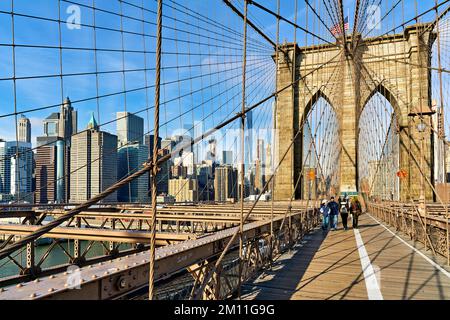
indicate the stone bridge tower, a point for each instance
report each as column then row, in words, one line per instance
column 396, row 66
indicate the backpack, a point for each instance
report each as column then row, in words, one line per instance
column 325, row 211
column 356, row 207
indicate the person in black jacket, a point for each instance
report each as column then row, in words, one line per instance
column 334, row 213
column 344, row 216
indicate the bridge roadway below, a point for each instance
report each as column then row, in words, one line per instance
column 372, row 262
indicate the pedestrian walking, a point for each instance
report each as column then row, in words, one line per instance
column 325, row 211
column 355, row 211
column 334, row 213
column 344, row 216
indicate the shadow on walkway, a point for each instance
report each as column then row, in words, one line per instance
column 303, row 252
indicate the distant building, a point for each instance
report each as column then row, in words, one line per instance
column 45, row 141
column 178, row 171
column 16, row 170
column 163, row 175
column 259, row 176
column 62, row 124
column 260, row 166
column 130, row 128
column 205, row 182
column 165, row 199
column 24, row 128
column 45, row 172
column 227, row 157
column 186, row 159
column 93, row 162
column 51, row 125
column 184, row 189
column 182, row 144
column 261, row 152
column 150, row 142
column 248, row 139
column 59, row 127
column 225, row 183
column 211, row 154
column 130, row 159
column 268, row 162
column 168, row 144
column 68, row 121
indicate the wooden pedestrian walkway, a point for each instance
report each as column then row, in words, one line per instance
column 372, row 262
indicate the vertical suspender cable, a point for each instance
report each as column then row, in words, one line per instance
column 242, row 178
column 154, row 170
column 294, row 69
column 441, row 95
column 277, row 52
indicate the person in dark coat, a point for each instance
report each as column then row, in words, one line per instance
column 344, row 216
column 355, row 211
column 325, row 211
column 334, row 213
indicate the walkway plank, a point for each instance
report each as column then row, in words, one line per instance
column 328, row 266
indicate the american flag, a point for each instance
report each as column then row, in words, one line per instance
column 336, row 30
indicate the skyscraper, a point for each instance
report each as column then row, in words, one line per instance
column 58, row 130
column 205, row 183
column 269, row 164
column 249, row 139
column 16, row 169
column 260, row 152
column 168, row 144
column 163, row 175
column 225, row 183
column 68, row 121
column 260, row 165
column 24, row 127
column 150, row 142
column 130, row 158
column 46, row 167
column 130, row 128
column 93, row 162
column 22, row 173
column 51, row 131
column 162, row 178
column 227, row 157
column 212, row 153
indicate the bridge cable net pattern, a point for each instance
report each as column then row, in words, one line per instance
column 106, row 62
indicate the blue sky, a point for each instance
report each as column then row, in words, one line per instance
column 221, row 63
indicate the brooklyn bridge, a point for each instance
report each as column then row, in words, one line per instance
column 224, row 149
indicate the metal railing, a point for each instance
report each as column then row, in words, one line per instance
column 192, row 261
column 432, row 231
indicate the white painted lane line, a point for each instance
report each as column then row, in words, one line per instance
column 373, row 289
column 434, row 264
